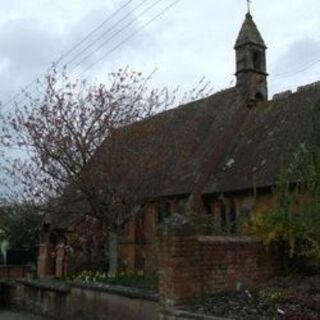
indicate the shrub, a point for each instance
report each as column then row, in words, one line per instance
column 293, row 221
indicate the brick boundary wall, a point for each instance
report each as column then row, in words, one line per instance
column 183, row 315
column 13, row 272
column 80, row 301
column 192, row 266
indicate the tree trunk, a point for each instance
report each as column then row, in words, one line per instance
column 113, row 254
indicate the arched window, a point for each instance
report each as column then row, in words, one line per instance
column 223, row 217
column 228, row 217
column 207, row 207
column 257, row 60
column 163, row 210
column 232, row 218
column 259, row 96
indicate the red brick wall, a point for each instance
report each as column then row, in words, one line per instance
column 46, row 262
column 191, row 266
column 13, row 272
column 127, row 255
column 138, row 247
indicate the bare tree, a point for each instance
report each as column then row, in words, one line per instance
column 81, row 146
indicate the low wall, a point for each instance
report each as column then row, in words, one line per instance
column 113, row 303
column 13, row 272
column 82, row 302
column 183, row 315
column 193, row 266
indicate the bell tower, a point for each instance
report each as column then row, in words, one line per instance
column 251, row 69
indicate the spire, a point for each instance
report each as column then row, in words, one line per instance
column 249, row 33
column 249, row 3
column 251, row 67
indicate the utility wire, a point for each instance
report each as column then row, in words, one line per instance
column 131, row 36
column 119, row 31
column 11, row 100
column 78, row 44
column 293, row 73
column 106, row 32
column 58, row 61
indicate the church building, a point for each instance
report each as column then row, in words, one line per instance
column 222, row 155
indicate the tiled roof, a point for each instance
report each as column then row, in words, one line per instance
column 176, row 144
column 217, row 143
column 222, row 142
column 271, row 134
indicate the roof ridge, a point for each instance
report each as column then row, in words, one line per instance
column 301, row 89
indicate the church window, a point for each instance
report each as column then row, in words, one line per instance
column 125, row 229
column 163, row 210
column 257, row 60
column 223, row 217
column 232, row 218
column 259, row 96
column 228, row 217
column 207, row 207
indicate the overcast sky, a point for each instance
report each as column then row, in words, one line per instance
column 193, row 39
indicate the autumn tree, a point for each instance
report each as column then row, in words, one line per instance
column 79, row 146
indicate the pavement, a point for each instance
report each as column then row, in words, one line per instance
column 14, row 315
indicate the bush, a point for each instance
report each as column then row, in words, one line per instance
column 293, row 221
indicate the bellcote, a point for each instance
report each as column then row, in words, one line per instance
column 251, row 69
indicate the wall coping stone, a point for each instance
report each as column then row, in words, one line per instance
column 11, row 266
column 47, row 284
column 132, row 293
column 224, row 239
column 190, row 315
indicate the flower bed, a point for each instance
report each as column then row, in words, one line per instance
column 287, row 298
column 136, row 280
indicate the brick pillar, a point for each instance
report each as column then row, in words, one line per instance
column 44, row 260
column 126, row 255
column 60, row 260
column 179, row 260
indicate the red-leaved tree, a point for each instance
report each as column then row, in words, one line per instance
column 79, row 147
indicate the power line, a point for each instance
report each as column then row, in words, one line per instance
column 104, row 43
column 68, row 52
column 11, row 100
column 293, row 73
column 25, row 92
column 131, row 35
column 93, row 31
column 106, row 32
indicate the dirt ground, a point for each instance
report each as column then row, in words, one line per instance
column 292, row 298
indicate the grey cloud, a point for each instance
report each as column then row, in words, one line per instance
column 107, row 38
column 26, row 44
column 192, row 40
column 299, row 56
column 26, row 48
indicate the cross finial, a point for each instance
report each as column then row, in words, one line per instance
column 249, row 5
